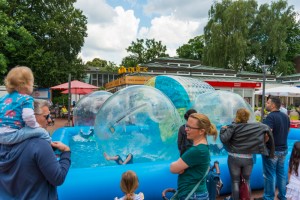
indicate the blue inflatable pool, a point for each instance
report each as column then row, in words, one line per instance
column 103, row 182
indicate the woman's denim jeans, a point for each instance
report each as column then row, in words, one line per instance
column 197, row 196
column 274, row 175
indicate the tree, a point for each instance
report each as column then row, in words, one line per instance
column 58, row 30
column 97, row 62
column 143, row 51
column 111, row 67
column 15, row 40
column 293, row 44
column 103, row 65
column 227, row 32
column 193, row 49
column 129, row 61
column 240, row 36
column 270, row 34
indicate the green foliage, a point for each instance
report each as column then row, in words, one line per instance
column 60, row 100
column 97, row 62
column 241, row 36
column 111, row 67
column 45, row 36
column 227, row 32
column 103, row 65
column 293, row 45
column 269, row 36
column 193, row 49
column 143, row 51
column 15, row 40
column 130, row 61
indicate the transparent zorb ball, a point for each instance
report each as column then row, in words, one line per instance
column 139, row 120
column 182, row 91
column 220, row 107
column 85, row 111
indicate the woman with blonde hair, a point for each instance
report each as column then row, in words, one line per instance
column 241, row 140
column 129, row 183
column 193, row 164
column 239, row 163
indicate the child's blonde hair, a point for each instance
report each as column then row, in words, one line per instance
column 18, row 78
column 129, row 183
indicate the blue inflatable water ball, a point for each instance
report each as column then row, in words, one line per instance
column 221, row 106
column 182, row 91
column 85, row 111
column 139, row 120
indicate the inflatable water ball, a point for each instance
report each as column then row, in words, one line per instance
column 182, row 91
column 221, row 106
column 139, row 120
column 85, row 111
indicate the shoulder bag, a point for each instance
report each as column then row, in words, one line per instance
column 175, row 196
column 244, row 189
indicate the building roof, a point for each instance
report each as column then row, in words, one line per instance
column 290, row 76
column 175, row 59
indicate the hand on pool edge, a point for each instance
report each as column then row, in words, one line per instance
column 60, row 146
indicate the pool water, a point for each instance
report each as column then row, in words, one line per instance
column 86, row 153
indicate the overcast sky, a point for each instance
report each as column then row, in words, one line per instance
column 114, row 24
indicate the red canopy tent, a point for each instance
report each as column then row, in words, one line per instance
column 74, row 84
column 78, row 91
column 75, row 87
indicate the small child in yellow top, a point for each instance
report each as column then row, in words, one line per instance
column 129, row 183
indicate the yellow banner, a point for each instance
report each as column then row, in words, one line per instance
column 123, row 69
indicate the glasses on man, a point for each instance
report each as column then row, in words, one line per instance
column 47, row 117
column 187, row 127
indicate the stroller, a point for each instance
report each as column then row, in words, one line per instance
column 214, row 184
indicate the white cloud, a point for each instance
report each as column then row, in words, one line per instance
column 111, row 30
column 188, row 9
column 171, row 31
column 96, row 11
column 108, row 41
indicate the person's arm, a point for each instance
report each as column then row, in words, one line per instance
column 226, row 133
column 60, row 146
column 266, row 137
column 129, row 157
column 178, row 166
column 29, row 118
column 28, row 113
column 179, row 138
column 54, row 171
